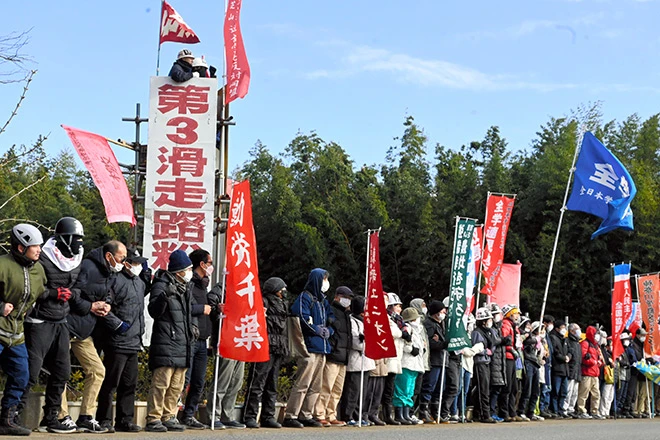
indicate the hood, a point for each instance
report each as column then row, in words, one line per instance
column 315, row 281
column 417, row 305
column 98, row 258
column 591, row 334
column 164, row 276
column 274, row 285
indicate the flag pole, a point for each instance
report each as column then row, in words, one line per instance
column 366, row 296
column 481, row 261
column 160, row 27
column 561, row 218
column 217, row 349
column 442, row 385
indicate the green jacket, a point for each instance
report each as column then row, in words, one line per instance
column 15, row 290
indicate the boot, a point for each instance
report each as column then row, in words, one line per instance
column 399, row 417
column 407, row 415
column 433, row 410
column 424, row 414
column 8, row 424
column 387, row 415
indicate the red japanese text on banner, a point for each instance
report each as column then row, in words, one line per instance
column 648, row 289
column 238, row 69
column 100, row 161
column 179, row 201
column 378, row 340
column 173, row 28
column 496, row 227
column 621, row 306
column 244, row 334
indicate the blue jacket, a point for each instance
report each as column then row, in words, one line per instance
column 314, row 312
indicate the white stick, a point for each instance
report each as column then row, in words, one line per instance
column 217, row 351
column 648, row 396
column 361, row 388
column 366, row 296
column 442, row 384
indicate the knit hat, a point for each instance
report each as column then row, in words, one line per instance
column 179, row 261
column 273, row 285
column 409, row 314
column 435, row 307
column 559, row 323
column 344, row 291
column 357, row 305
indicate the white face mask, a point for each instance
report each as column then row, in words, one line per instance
column 187, row 276
column 470, row 327
column 118, row 267
column 549, row 328
column 136, row 270
column 597, row 339
column 642, row 338
column 209, row 270
column 626, row 343
column 425, row 310
column 497, row 318
column 563, row 332
column 442, row 316
column 489, row 323
column 325, row 286
column 345, row 302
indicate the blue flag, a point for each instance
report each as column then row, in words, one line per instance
column 602, row 187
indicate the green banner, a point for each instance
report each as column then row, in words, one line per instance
column 457, row 334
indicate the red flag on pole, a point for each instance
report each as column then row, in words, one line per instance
column 621, row 306
column 378, row 341
column 238, row 69
column 173, row 28
column 507, row 290
column 244, row 334
column 648, row 290
column 498, row 216
column 100, row 161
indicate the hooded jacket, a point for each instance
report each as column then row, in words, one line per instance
column 357, row 348
column 591, row 362
column 128, row 306
column 574, row 365
column 559, row 352
column 408, row 361
column 276, row 314
column 437, row 348
column 417, row 304
column 510, row 334
column 314, row 312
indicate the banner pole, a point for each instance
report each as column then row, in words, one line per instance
column 561, row 218
column 361, row 388
column 217, row 349
column 442, row 385
column 160, row 26
column 462, row 391
column 364, row 348
column 481, row 261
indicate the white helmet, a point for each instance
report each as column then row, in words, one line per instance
column 470, row 319
column 445, row 302
column 483, row 314
column 199, row 62
column 27, row 235
column 535, row 326
column 185, row 53
column 393, row 299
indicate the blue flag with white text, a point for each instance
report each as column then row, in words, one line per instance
column 602, row 187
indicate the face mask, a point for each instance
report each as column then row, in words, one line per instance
column 209, row 270
column 626, row 343
column 117, row 267
column 577, row 334
column 489, row 323
column 136, row 270
column 563, row 332
column 425, row 310
column 497, row 318
column 642, row 338
column 345, row 302
column 187, row 276
column 325, row 286
column 597, row 339
column 549, row 328
column 470, row 327
column 442, row 316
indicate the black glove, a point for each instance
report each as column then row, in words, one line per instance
column 587, row 356
column 507, row 340
column 415, row 351
column 212, row 70
column 361, row 337
column 406, row 336
column 195, row 332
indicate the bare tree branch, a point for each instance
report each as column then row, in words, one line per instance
column 20, row 100
column 10, row 53
column 23, row 190
column 25, row 220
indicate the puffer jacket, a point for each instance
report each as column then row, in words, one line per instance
column 408, row 361
column 532, row 349
column 314, row 311
column 200, row 297
column 172, row 337
column 276, row 315
column 341, row 338
column 14, row 290
column 95, row 282
column 417, row 305
column 436, row 348
column 498, row 360
column 357, row 348
column 394, row 363
column 381, row 368
column 637, row 347
column 128, row 306
column 510, row 335
column 482, row 335
column 574, row 366
column 181, row 71
column 559, row 352
column 591, row 361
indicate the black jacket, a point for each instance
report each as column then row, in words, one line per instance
column 277, row 311
column 575, row 364
column 498, row 360
column 638, row 348
column 530, row 350
column 48, row 307
column 95, row 282
column 128, row 306
column 200, row 295
column 341, row 340
column 181, row 71
column 559, row 353
column 485, row 336
column 436, row 348
column 172, row 337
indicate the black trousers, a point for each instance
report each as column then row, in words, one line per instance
column 507, row 399
column 531, row 389
column 48, row 346
column 451, row 386
column 481, row 384
column 121, row 374
column 388, row 389
column 195, row 378
column 262, row 388
column 350, row 397
column 374, row 394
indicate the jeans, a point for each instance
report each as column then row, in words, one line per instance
column 530, row 392
column 460, row 401
column 558, row 393
column 195, row 377
column 14, row 362
column 429, row 382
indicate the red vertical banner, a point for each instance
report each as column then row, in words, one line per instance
column 244, row 334
column 238, row 69
column 378, row 340
column 621, row 306
column 496, row 227
column 648, row 288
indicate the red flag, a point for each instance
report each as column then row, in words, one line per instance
column 378, row 341
column 244, row 334
column 507, row 289
column 100, row 161
column 621, row 306
column 173, row 28
column 238, row 69
column 498, row 216
column 648, row 289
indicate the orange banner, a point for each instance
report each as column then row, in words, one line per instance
column 496, row 227
column 648, row 289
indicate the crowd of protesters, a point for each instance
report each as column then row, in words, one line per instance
column 52, row 300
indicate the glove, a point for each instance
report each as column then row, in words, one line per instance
column 63, row 294
column 361, row 337
column 195, row 74
column 212, row 70
column 123, row 328
column 323, row 332
column 489, row 352
column 587, row 356
column 406, row 337
column 415, row 351
column 507, row 340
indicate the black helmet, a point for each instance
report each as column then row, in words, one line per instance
column 69, row 226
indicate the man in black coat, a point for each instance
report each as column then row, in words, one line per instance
column 560, row 359
column 263, row 376
column 334, row 371
column 435, row 331
column 574, row 368
column 121, row 351
column 182, row 69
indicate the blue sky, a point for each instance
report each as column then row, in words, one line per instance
column 351, row 71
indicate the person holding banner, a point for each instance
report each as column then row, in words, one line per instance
column 401, row 335
column 316, row 317
column 641, row 408
column 412, row 364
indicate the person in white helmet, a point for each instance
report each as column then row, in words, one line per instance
column 200, row 66
column 182, row 69
column 22, row 281
column 482, row 335
column 401, row 335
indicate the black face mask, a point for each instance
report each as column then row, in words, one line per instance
column 69, row 245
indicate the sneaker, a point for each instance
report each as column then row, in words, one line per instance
column 488, row 420
column 270, row 423
column 251, row 423
column 524, row 418
column 585, row 416
column 56, row 427
column 337, row 423
column 107, row 424
column 365, row 423
column 497, row 419
column 351, row 423
column 193, row 423
column 546, row 415
column 517, row 418
column 88, row 424
column 292, row 423
column 455, row 418
column 156, row 426
column 447, row 421
column 233, row 424
column 218, row 425
column 128, row 427
column 598, row 417
column 536, row 418
column 68, row 421
column 311, row 423
column 173, row 424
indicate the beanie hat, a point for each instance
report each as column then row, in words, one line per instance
column 410, row 314
column 435, row 307
column 273, row 285
column 559, row 323
column 357, row 305
column 179, row 261
column 344, row 291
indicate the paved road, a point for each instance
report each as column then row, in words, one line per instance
column 548, row 430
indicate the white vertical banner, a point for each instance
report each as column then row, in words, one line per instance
column 180, row 181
